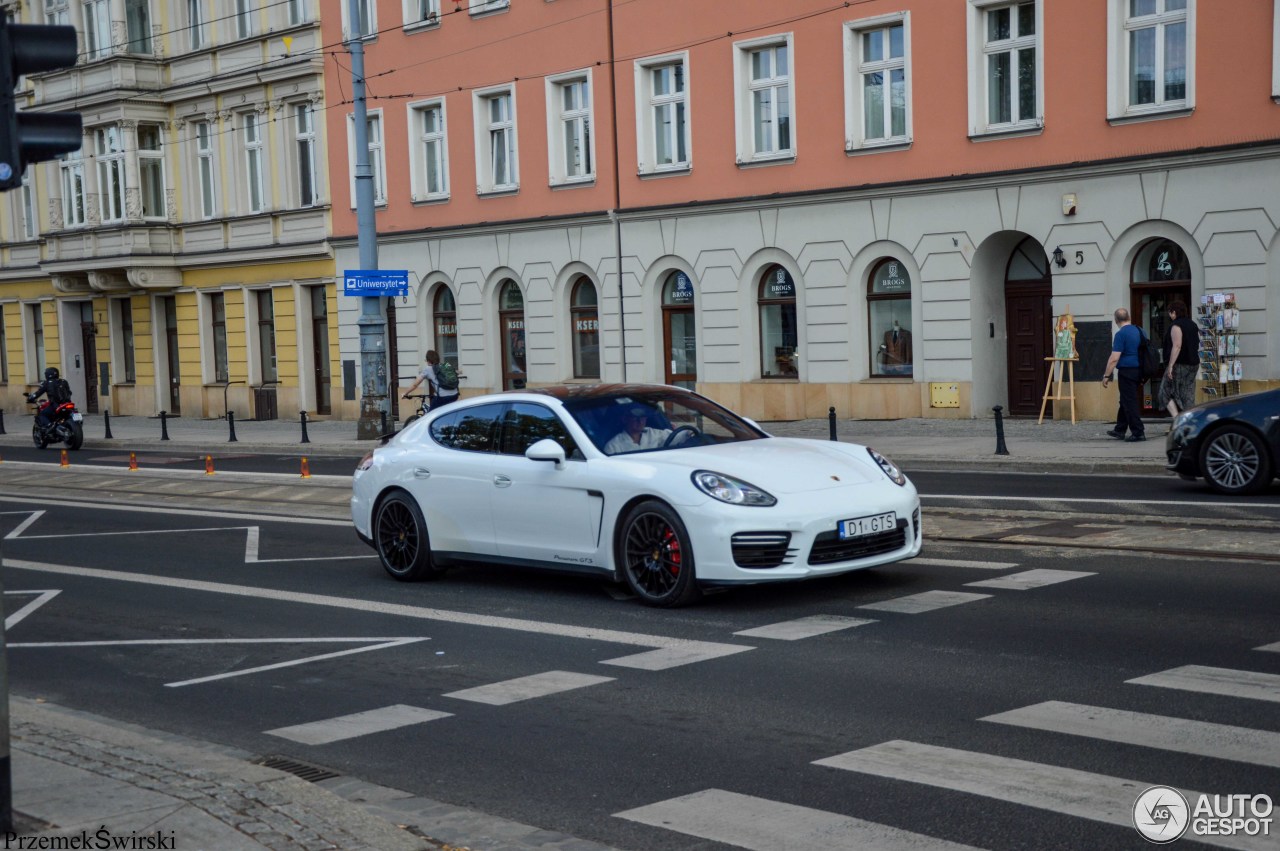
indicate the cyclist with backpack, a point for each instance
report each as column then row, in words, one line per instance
column 441, row 378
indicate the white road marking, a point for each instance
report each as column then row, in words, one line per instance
column 926, row 601
column 804, row 627
column 229, row 674
column 676, row 655
column 185, row 512
column 251, row 551
column 33, row 516
column 525, row 688
column 357, row 724
column 763, row 825
column 1029, row 579
column 693, row 650
column 957, row 562
column 1220, row 741
column 16, row 618
column 1089, row 500
column 1224, row 681
column 1068, row 791
column 1270, row 648
column 142, row 642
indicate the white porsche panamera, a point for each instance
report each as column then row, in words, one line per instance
column 651, row 485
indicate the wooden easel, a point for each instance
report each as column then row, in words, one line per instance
column 1057, row 367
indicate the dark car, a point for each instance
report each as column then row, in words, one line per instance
column 1232, row 443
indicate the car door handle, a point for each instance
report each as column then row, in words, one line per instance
column 502, row 481
column 421, row 473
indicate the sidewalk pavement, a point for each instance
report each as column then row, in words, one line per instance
column 1055, row 445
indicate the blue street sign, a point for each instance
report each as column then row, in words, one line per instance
column 375, row 282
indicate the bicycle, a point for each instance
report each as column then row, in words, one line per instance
column 422, row 406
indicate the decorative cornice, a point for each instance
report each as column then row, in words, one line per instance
column 155, row 277
column 108, row 280
column 72, row 284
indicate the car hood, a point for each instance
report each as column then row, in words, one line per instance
column 777, row 464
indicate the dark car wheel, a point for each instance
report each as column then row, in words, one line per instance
column 657, row 557
column 1234, row 460
column 400, row 536
column 37, row 437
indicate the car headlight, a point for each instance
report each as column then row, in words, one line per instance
column 365, row 463
column 731, row 490
column 890, row 469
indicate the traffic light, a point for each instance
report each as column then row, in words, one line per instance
column 32, row 137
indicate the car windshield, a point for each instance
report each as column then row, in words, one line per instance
column 655, row 420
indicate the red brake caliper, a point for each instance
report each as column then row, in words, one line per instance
column 671, row 544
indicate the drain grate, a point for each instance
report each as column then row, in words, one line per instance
column 305, row 770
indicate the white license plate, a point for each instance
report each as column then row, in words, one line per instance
column 860, row 527
column 75, row 418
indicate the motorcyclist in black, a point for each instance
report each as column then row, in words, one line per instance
column 58, row 391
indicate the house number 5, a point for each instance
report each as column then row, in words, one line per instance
column 1079, row 257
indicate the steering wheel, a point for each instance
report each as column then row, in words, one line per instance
column 671, row 438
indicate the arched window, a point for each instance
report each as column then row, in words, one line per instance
column 585, row 315
column 444, row 316
column 778, row 337
column 511, row 323
column 889, row 312
column 679, row 334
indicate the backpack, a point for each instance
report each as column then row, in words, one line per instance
column 59, row 391
column 1149, row 357
column 446, row 376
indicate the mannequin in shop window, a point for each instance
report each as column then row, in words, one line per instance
column 895, row 352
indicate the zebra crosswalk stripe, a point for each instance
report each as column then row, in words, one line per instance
column 763, row 825
column 1224, row 681
column 1220, row 741
column 1068, row 791
column 804, row 627
column 524, row 688
column 927, row 601
column 1028, row 579
column 959, row 562
column 357, row 724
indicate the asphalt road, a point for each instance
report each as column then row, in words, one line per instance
column 235, row 626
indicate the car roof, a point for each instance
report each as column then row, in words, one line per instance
column 576, row 392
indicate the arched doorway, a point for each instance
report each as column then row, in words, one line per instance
column 679, row 339
column 511, row 330
column 1028, row 293
column 1161, row 275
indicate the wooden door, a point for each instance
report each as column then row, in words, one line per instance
column 320, row 350
column 170, row 305
column 89, row 342
column 1028, row 318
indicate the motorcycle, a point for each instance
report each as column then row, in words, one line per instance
column 66, row 426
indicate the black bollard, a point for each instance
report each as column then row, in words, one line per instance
column 385, row 436
column 831, row 422
column 164, row 426
column 305, row 439
column 106, row 421
column 2, row 431
column 231, row 424
column 1001, row 449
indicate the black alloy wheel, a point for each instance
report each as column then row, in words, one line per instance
column 657, row 557
column 400, row 534
column 76, row 440
column 38, row 438
column 1234, row 460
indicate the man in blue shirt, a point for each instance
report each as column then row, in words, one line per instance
column 1124, row 363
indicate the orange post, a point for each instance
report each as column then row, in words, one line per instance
column 133, row 462
column 66, row 462
column 306, row 468
column 208, row 465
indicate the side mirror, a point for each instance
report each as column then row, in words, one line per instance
column 546, row 450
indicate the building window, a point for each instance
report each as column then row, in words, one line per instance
column 444, row 316
column 421, row 12
column 71, row 167
column 251, row 128
column 1153, row 45
column 4, row 348
column 124, row 308
column 196, row 35
column 267, row 336
column 97, row 28
column 297, row 10
column 110, row 156
column 244, row 18
column 496, row 166
column 137, row 16
column 1007, row 82
column 204, row 159
column 569, row 129
column 889, row 312
column 57, row 13
column 218, row 322
column 377, row 164
column 305, row 144
column 368, row 23
column 36, row 313
column 662, row 119
column 29, row 229
column 479, row 7
column 430, row 166
column 151, row 171
column 764, row 101
column 585, row 314
column 878, row 111
column 779, row 354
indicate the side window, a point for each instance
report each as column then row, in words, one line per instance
column 469, row 429
column 524, row 424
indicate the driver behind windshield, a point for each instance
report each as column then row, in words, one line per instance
column 636, row 434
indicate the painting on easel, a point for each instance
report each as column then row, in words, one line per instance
column 1064, row 337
